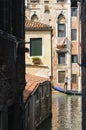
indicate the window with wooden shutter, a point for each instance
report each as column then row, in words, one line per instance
column 36, row 47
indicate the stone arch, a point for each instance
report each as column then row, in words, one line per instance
column 61, row 19
column 34, row 17
column 61, row 24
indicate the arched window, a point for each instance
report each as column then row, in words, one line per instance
column 34, row 17
column 61, row 26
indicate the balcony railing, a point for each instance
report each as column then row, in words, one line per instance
column 61, row 43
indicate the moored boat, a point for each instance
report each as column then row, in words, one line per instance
column 69, row 92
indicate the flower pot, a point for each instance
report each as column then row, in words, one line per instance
column 36, row 61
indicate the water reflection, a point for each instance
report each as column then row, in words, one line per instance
column 66, row 113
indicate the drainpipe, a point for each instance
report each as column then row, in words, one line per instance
column 51, row 77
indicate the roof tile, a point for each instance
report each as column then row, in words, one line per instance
column 32, row 82
column 33, row 25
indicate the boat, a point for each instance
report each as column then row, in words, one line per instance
column 68, row 92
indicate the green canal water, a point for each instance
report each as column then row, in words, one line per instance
column 66, row 113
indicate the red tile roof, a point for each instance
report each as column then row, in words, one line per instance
column 32, row 82
column 32, row 25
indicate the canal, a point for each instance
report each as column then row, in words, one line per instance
column 66, row 113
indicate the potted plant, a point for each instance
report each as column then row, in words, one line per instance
column 36, row 60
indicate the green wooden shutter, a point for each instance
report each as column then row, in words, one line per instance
column 35, row 46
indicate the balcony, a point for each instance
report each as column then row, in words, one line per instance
column 61, row 42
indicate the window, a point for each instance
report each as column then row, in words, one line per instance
column 46, row 1
column 36, row 47
column 61, row 58
column 60, row 0
column 73, row 3
column 74, row 78
column 73, row 11
column 61, row 30
column 34, row 0
column 73, row 34
column 61, row 26
column 74, row 59
column 61, row 76
column 47, row 9
column 34, row 17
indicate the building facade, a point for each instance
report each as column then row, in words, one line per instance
column 38, row 39
column 64, row 17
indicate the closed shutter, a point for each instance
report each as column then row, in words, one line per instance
column 36, row 47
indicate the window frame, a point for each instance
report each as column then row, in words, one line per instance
column 34, row 1
column 46, row 8
column 31, row 48
column 60, row 0
column 61, row 33
column 74, row 34
column 61, row 26
column 74, row 58
column 61, row 58
column 72, row 14
column 60, row 79
column 34, row 17
column 74, row 78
